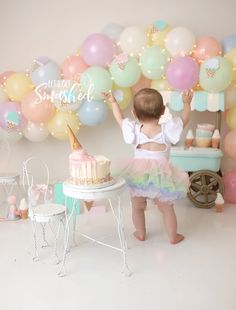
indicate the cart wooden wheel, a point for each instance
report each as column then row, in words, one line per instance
column 204, row 185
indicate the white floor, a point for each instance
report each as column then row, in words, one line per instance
column 198, row 274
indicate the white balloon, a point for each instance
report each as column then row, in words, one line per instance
column 3, row 96
column 230, row 96
column 180, row 41
column 133, row 40
column 11, row 136
column 113, row 31
column 35, row 132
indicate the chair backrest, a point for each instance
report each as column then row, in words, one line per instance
column 29, row 178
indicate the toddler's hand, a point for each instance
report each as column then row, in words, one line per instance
column 108, row 96
column 187, row 96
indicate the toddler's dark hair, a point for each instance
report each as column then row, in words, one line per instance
column 148, row 104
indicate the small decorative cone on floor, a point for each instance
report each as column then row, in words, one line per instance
column 219, row 203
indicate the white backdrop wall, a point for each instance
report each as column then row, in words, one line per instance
column 56, row 29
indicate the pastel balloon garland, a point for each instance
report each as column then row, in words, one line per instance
column 124, row 60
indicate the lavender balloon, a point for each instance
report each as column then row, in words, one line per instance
column 11, row 116
column 98, row 50
column 182, row 73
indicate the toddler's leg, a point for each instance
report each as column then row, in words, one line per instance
column 170, row 221
column 138, row 208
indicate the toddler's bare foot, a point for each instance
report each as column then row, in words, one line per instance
column 139, row 236
column 178, row 238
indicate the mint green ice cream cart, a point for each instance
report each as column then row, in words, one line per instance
column 202, row 164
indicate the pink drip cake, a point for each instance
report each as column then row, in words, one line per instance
column 85, row 169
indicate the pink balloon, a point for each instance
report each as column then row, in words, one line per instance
column 11, row 116
column 4, row 76
column 207, row 47
column 98, row 50
column 36, row 110
column 230, row 144
column 182, row 73
column 142, row 83
column 72, row 68
column 229, row 180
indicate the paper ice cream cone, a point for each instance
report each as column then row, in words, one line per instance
column 219, row 207
column 219, row 203
column 215, row 143
column 88, row 204
column 74, row 143
column 215, row 140
column 189, row 142
column 24, row 214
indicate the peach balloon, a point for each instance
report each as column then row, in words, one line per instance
column 37, row 110
column 142, row 83
column 4, row 76
column 206, row 47
column 230, row 144
column 72, row 67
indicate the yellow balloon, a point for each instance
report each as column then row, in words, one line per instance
column 17, row 86
column 157, row 37
column 231, row 56
column 57, row 126
column 230, row 96
column 231, row 118
column 160, row 85
column 123, row 96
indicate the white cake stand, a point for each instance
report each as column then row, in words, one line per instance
column 111, row 193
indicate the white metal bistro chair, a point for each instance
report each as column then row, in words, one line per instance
column 43, row 213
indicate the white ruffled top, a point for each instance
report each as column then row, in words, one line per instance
column 170, row 134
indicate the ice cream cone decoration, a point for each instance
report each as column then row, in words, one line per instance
column 189, row 138
column 74, row 143
column 88, row 204
column 215, row 141
column 219, row 203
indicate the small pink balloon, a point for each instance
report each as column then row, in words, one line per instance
column 72, row 67
column 98, row 50
column 182, row 73
column 207, row 47
column 4, row 76
column 230, row 144
column 142, row 83
column 37, row 110
column 229, row 180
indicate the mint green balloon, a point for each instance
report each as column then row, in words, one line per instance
column 153, row 62
column 94, row 81
column 128, row 75
column 216, row 74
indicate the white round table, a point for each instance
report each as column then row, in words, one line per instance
column 112, row 193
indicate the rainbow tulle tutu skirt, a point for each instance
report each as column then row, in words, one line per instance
column 155, row 179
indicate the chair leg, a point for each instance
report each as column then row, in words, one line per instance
column 56, row 235
column 45, row 242
column 36, row 254
column 62, row 271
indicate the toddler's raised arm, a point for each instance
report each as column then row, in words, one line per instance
column 118, row 115
column 187, row 98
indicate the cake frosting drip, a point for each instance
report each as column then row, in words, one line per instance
column 88, row 169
